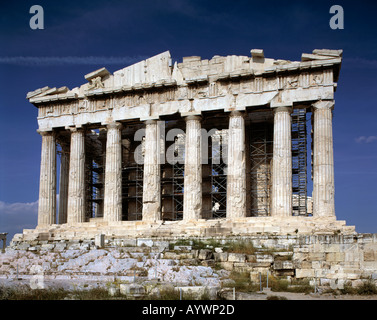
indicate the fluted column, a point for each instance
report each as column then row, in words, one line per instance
column 151, row 182
column 47, row 181
column 63, row 185
column 192, row 198
column 323, row 160
column 113, row 173
column 236, row 173
column 281, row 193
column 76, row 184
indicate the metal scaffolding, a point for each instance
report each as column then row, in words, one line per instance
column 132, row 183
column 299, row 162
column 218, row 173
column 172, row 181
column 94, row 175
column 261, row 148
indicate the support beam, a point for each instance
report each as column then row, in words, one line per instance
column 47, row 181
column 236, row 173
column 113, row 173
column 192, row 198
column 281, row 193
column 323, row 160
column 151, row 183
column 76, row 184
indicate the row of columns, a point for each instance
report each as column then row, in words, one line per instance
column 281, row 195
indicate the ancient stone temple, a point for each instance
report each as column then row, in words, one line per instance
column 198, row 147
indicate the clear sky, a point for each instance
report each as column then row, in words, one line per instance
column 82, row 36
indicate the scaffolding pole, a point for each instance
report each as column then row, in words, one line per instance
column 299, row 162
column 260, row 168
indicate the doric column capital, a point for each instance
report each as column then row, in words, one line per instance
column 75, row 129
column 114, row 125
column 283, row 109
column 237, row 113
column 46, row 133
column 193, row 117
column 150, row 121
column 323, row 104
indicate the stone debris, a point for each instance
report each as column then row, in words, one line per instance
column 323, row 260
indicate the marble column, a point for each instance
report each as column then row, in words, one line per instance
column 151, row 180
column 323, row 160
column 113, row 173
column 192, row 198
column 47, row 182
column 281, row 192
column 76, row 184
column 63, row 185
column 236, row 172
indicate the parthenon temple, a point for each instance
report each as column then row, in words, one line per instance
column 200, row 147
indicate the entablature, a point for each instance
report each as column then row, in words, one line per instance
column 271, row 82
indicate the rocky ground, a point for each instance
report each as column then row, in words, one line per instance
column 149, row 271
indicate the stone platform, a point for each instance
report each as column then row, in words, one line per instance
column 185, row 229
column 332, row 260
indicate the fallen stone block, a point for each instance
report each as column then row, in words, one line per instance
column 221, row 256
column 131, row 289
column 251, row 258
column 47, row 246
column 170, row 255
column 183, row 248
column 127, row 242
column 99, row 240
column 243, row 266
column 260, row 264
column 60, row 246
column 160, row 245
column 283, row 265
column 262, row 258
column 208, row 263
column 236, row 257
column 227, row 265
column 113, row 291
column 189, row 262
column 337, row 284
column 199, row 291
column 205, row 254
column 144, row 242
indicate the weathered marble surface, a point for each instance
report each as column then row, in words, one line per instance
column 282, row 164
column 47, row 181
column 113, row 173
column 155, row 87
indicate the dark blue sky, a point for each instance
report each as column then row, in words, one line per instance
column 118, row 33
